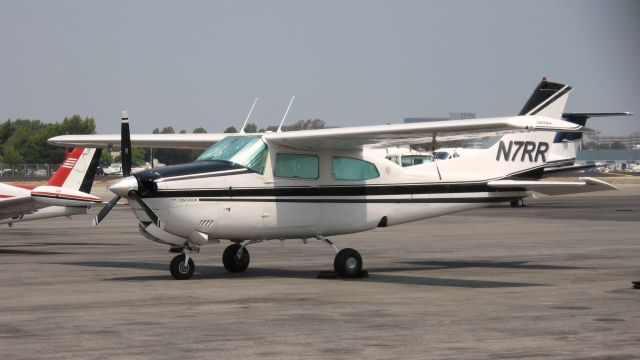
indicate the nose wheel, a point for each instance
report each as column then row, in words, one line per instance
column 182, row 267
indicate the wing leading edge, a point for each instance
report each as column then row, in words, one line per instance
column 343, row 138
column 169, row 141
column 413, row 133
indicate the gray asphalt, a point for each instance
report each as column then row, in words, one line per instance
column 551, row 280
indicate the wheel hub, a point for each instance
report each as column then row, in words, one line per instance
column 352, row 264
column 184, row 268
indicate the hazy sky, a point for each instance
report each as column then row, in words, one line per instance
column 201, row 63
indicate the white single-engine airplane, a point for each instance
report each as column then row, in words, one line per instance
column 65, row 194
column 316, row 183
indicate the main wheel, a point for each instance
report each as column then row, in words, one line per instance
column 230, row 259
column 348, row 263
column 181, row 270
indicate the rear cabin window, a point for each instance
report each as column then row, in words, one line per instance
column 296, row 166
column 346, row 168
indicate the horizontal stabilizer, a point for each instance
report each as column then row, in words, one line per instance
column 586, row 184
column 581, row 118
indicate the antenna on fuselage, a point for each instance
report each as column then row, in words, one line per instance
column 248, row 116
column 285, row 114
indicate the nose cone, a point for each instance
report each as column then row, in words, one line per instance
column 122, row 187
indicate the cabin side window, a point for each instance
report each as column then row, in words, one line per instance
column 346, row 168
column 297, row 166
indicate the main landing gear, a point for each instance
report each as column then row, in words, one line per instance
column 235, row 258
column 347, row 263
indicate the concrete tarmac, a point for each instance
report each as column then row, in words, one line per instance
column 551, row 280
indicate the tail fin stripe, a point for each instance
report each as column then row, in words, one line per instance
column 550, row 100
column 87, row 181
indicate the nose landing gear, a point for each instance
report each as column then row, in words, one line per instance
column 182, row 267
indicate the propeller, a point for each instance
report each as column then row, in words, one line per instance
column 128, row 185
column 125, row 145
column 105, row 210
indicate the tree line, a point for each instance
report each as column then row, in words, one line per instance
column 24, row 141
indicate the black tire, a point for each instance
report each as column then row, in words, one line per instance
column 517, row 203
column 178, row 269
column 231, row 261
column 348, row 263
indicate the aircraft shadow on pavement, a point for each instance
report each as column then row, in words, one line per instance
column 16, row 249
column 376, row 275
column 28, row 252
column 435, row 264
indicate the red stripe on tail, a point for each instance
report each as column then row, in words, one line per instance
column 60, row 176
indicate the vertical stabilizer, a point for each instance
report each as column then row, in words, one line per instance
column 78, row 170
column 548, row 99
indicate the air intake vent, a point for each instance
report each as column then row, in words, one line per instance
column 206, row 223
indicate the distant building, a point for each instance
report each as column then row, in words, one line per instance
column 630, row 141
column 613, row 159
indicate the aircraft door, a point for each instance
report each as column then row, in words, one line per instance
column 293, row 209
column 239, row 216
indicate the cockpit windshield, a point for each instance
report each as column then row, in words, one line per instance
column 441, row 155
column 248, row 151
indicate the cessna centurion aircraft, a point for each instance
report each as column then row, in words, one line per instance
column 66, row 193
column 250, row 188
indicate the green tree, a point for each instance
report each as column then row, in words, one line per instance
column 172, row 156
column 25, row 140
column 250, row 128
column 306, row 125
column 230, row 129
column 618, row 146
column 199, row 130
column 137, row 157
column 105, row 158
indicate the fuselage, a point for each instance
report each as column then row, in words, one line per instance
column 281, row 193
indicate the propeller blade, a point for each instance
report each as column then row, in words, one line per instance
column 105, row 210
column 125, row 145
column 133, row 195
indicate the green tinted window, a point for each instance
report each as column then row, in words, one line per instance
column 296, row 166
column 345, row 168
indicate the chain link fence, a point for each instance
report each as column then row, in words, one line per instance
column 28, row 170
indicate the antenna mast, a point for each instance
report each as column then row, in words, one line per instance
column 285, row 114
column 248, row 116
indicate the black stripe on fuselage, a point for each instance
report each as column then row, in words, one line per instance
column 327, row 191
column 371, row 201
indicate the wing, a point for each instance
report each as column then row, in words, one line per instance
column 13, row 206
column 172, row 141
column 413, row 133
column 343, row 138
column 585, row 184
